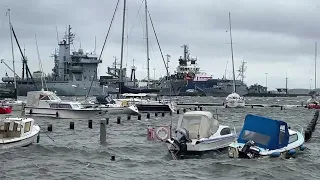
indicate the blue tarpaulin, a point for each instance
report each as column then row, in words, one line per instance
column 265, row 132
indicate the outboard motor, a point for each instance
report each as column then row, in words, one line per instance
column 249, row 150
column 179, row 143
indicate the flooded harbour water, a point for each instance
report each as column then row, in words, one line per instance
column 77, row 154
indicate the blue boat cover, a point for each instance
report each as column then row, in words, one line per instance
column 265, row 132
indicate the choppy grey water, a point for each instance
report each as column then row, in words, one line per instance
column 77, row 154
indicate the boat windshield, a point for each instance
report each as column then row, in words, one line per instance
column 54, row 97
column 256, row 137
column 293, row 138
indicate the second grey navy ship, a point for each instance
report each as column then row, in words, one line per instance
column 188, row 79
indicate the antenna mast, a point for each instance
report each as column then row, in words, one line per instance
column 95, row 44
column 147, row 41
column 234, row 77
column 122, row 41
column 315, row 65
column 286, row 83
column 12, row 51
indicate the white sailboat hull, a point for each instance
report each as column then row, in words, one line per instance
column 20, row 141
column 235, row 104
column 64, row 113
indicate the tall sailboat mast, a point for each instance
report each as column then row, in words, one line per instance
column 12, row 51
column 315, row 65
column 147, row 41
column 234, row 76
column 122, row 41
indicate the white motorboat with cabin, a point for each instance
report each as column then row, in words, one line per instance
column 198, row 132
column 234, row 100
column 261, row 136
column 148, row 102
column 48, row 104
column 17, row 132
column 106, row 103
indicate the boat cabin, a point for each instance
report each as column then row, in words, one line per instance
column 48, row 99
column 200, row 124
column 15, row 127
column 266, row 133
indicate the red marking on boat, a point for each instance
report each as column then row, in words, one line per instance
column 313, row 106
column 5, row 109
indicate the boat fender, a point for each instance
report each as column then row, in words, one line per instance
column 275, row 154
column 307, row 134
column 30, row 112
column 38, row 138
column 302, row 148
column 291, row 152
column 57, row 114
column 150, row 132
column 164, row 137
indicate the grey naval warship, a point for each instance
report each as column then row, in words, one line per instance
column 74, row 73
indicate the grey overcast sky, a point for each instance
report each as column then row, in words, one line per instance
column 276, row 36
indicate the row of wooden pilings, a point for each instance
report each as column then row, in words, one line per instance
column 185, row 109
column 311, row 126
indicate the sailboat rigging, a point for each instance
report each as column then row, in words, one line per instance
column 122, row 87
column 231, row 46
column 40, row 66
column 147, row 42
column 12, row 52
column 233, row 99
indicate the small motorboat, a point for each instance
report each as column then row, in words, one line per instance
column 148, row 102
column 261, row 136
column 234, row 100
column 106, row 103
column 17, row 132
column 48, row 104
column 198, row 132
column 5, row 109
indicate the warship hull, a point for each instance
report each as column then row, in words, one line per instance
column 65, row 88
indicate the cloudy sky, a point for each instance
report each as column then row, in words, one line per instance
column 274, row 37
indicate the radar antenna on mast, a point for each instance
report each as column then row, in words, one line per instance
column 242, row 69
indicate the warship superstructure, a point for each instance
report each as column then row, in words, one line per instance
column 188, row 79
column 73, row 73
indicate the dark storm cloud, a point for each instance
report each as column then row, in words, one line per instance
column 272, row 36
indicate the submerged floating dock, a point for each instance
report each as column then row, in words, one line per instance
column 250, row 105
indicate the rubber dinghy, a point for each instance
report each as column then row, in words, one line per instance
column 261, row 136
